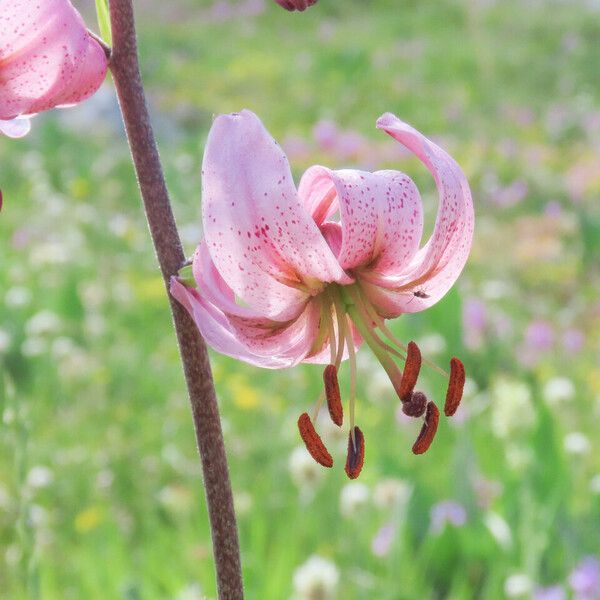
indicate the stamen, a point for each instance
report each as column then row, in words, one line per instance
column 341, row 319
column 356, row 453
column 318, row 405
column 352, row 361
column 313, row 442
column 332, row 344
column 455, row 387
column 416, row 405
column 411, row 372
column 427, row 433
column 332, row 391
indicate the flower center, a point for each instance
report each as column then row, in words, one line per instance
column 344, row 309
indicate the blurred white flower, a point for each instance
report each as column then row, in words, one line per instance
column 391, row 493
column 17, row 296
column 595, row 484
column 305, row 472
column 512, row 409
column 191, row 592
column 243, row 502
column 499, row 529
column 558, row 390
column 576, row 443
column 4, row 341
column 33, row 346
column 353, row 498
column 518, row 585
column 316, row 579
column 43, row 323
column 432, row 344
column 39, row 477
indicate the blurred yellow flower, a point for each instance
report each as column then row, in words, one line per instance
column 88, row 519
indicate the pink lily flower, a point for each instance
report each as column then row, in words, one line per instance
column 47, row 59
column 296, row 4
column 288, row 275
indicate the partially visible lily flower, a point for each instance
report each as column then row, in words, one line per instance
column 47, row 59
column 285, row 276
column 296, row 4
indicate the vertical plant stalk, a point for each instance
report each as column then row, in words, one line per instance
column 126, row 74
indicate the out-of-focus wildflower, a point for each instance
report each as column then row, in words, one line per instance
column 303, row 469
column 512, row 408
column 384, row 539
column 499, row 529
column 474, row 322
column 296, row 4
column 39, row 476
column 391, row 494
column 47, row 59
column 584, row 579
column 312, row 288
column 553, row 592
column 576, row 443
column 558, row 390
column 573, row 340
column 353, row 498
column 595, row 484
column 447, row 512
column 518, row 585
column 316, row 579
column 191, row 592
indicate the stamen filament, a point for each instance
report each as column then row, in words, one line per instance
column 352, row 359
column 318, row 405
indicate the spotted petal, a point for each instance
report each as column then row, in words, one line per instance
column 262, row 241
column 437, row 265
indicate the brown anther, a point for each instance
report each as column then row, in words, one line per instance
column 416, row 406
column 356, row 453
column 411, row 372
column 313, row 442
column 427, row 433
column 455, row 387
column 332, row 391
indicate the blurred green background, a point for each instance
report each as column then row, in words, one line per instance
column 100, row 488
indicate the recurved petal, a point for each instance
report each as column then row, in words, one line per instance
column 380, row 215
column 219, row 332
column 436, row 266
column 263, row 242
column 44, row 50
column 15, row 128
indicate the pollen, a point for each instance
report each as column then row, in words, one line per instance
column 332, row 392
column 411, row 371
column 313, row 442
column 455, row 387
column 427, row 433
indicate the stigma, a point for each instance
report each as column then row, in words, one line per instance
column 345, row 311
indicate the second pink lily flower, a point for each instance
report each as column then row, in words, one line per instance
column 288, row 275
column 47, row 59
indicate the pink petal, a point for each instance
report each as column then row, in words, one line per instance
column 380, row 214
column 47, row 57
column 436, row 266
column 261, row 239
column 15, row 128
column 245, row 340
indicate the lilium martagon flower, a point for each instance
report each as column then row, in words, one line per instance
column 48, row 59
column 288, row 275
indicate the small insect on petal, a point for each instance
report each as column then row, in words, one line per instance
column 332, row 391
column 427, row 433
column 313, row 442
column 416, row 406
column 455, row 387
column 411, row 372
column 356, row 453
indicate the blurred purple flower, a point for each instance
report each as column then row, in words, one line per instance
column 553, row 592
column 474, row 322
column 585, row 579
column 447, row 511
column 553, row 208
column 326, row 133
column 511, row 194
column 383, row 540
column 539, row 336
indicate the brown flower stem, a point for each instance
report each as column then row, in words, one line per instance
column 127, row 78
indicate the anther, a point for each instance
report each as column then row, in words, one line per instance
column 411, row 372
column 356, row 453
column 416, row 405
column 332, row 391
column 427, row 433
column 455, row 387
column 313, row 442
